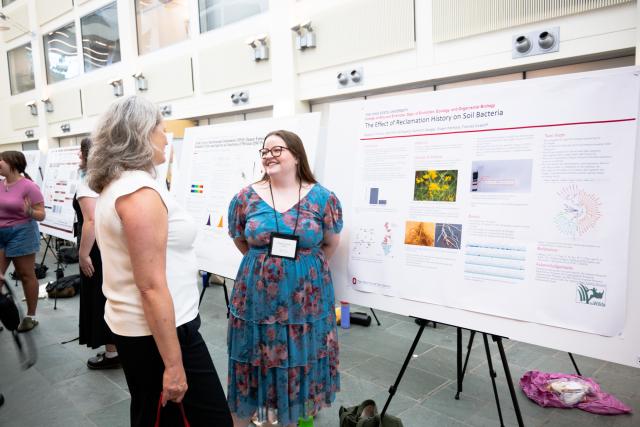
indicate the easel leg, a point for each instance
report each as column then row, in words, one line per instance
column 394, row 387
column 575, row 365
column 507, row 373
column 375, row 317
column 492, row 374
column 46, row 249
column 462, row 371
column 205, row 285
column 226, row 295
column 206, row 276
column 458, row 362
column 59, row 269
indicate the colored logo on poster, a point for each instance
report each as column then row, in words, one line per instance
column 591, row 295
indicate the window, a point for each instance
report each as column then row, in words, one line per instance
column 100, row 38
column 30, row 146
column 218, row 13
column 7, row 2
column 161, row 23
column 61, row 54
column 21, row 69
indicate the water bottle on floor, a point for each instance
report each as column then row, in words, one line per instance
column 345, row 315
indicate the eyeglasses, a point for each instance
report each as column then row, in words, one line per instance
column 275, row 151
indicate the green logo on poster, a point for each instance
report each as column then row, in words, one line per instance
column 590, row 295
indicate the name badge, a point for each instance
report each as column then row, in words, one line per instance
column 283, row 245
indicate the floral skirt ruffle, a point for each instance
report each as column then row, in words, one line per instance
column 290, row 370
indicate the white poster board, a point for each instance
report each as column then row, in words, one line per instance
column 545, row 172
column 35, row 165
column 164, row 171
column 58, row 187
column 216, row 162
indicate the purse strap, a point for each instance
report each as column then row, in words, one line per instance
column 184, row 416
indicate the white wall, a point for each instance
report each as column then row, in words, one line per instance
column 297, row 79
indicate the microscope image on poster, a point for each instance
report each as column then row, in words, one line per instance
column 501, row 176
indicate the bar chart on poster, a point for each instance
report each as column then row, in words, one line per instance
column 375, row 198
column 217, row 161
column 504, row 208
column 58, row 187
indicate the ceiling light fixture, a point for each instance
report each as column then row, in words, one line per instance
column 305, row 36
column 260, row 47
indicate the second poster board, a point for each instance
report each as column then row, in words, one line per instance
column 216, row 162
column 58, row 187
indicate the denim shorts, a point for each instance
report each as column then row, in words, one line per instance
column 19, row 240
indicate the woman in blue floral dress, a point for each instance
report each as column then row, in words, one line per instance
column 283, row 348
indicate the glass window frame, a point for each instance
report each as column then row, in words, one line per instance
column 45, row 51
column 138, row 22
column 100, row 9
column 224, row 24
column 14, row 91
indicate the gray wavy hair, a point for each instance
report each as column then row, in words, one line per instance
column 121, row 141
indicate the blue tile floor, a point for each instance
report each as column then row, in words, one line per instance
column 60, row 391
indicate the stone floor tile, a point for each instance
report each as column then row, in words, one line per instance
column 116, row 415
column 420, row 416
column 91, row 391
column 444, row 403
column 416, row 383
column 352, row 357
column 442, row 361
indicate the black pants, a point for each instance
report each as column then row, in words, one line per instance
column 205, row 403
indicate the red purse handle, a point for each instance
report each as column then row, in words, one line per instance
column 184, row 416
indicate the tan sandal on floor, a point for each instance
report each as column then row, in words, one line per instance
column 27, row 324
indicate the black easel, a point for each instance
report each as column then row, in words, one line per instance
column 375, row 317
column 47, row 247
column 206, row 276
column 575, row 365
column 394, row 387
column 461, row 370
column 59, row 269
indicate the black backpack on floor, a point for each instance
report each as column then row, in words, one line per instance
column 41, row 271
column 65, row 287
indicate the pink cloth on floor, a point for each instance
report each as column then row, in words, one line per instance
column 537, row 386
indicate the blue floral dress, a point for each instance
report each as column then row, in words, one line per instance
column 283, row 348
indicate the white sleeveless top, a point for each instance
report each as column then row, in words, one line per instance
column 123, row 311
column 84, row 190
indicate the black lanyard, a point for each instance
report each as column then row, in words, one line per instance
column 275, row 215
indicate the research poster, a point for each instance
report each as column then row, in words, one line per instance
column 510, row 199
column 216, row 162
column 58, row 187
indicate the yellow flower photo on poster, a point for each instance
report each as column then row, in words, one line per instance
column 435, row 186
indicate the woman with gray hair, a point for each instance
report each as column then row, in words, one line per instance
column 146, row 240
